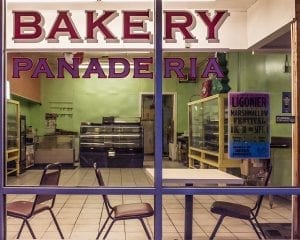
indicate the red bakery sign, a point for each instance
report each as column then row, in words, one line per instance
column 28, row 26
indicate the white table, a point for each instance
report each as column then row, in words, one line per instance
column 193, row 177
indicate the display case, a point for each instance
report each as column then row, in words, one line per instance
column 12, row 137
column 111, row 145
column 208, row 134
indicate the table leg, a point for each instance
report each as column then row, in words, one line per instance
column 188, row 223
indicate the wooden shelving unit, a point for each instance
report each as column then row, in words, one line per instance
column 208, row 134
column 12, row 137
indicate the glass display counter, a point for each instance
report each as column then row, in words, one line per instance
column 208, row 133
column 111, row 145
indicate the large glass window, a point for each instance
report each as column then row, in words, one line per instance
column 138, row 93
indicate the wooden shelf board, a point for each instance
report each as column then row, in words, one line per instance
column 12, row 150
column 195, row 149
column 203, row 160
column 30, row 165
column 13, row 158
column 9, row 170
column 195, row 157
column 210, row 152
column 210, row 162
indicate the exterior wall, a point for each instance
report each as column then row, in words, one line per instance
column 266, row 17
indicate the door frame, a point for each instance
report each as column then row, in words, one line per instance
column 174, row 116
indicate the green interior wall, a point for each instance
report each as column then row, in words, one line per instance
column 262, row 73
column 94, row 98
column 265, row 73
column 184, row 92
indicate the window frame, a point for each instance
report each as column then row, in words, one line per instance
column 158, row 191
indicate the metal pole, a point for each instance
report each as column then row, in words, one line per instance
column 2, row 139
column 158, row 120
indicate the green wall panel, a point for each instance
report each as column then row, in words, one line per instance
column 264, row 73
column 94, row 98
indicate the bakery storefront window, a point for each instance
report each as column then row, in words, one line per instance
column 138, row 119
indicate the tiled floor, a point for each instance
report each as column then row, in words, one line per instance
column 80, row 217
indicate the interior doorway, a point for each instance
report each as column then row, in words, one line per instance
column 169, row 123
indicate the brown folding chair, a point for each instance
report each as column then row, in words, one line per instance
column 27, row 209
column 234, row 210
column 123, row 211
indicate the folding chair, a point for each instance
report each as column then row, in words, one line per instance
column 27, row 209
column 123, row 211
column 235, row 210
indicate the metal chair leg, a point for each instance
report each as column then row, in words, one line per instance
column 101, row 230
column 112, row 223
column 257, row 233
column 56, row 224
column 259, row 227
column 145, row 228
column 21, row 229
column 216, row 227
column 30, row 229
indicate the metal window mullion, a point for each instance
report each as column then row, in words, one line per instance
column 2, row 140
column 79, row 190
column 242, row 190
column 158, row 120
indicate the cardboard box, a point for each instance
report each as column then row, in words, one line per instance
column 252, row 167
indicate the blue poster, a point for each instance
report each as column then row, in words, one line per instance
column 249, row 125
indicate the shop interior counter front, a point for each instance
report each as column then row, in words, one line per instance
column 111, row 145
column 55, row 148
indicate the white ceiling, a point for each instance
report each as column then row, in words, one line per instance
column 233, row 4
column 242, row 5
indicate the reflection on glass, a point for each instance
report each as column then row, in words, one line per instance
column 80, row 120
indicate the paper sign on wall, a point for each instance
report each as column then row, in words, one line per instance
column 249, row 125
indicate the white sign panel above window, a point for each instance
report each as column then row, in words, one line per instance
column 112, row 28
